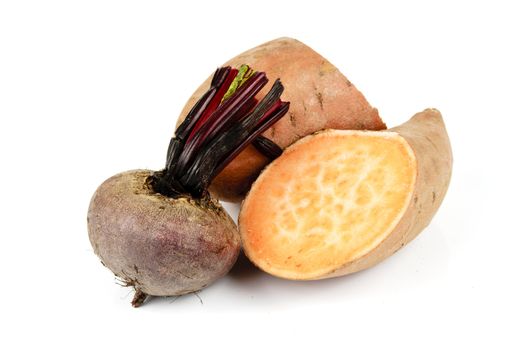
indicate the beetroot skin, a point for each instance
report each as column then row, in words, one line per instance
column 160, row 245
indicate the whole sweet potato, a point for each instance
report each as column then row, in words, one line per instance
column 320, row 96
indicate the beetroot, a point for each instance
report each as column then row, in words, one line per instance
column 160, row 231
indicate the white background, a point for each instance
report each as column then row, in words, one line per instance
column 91, row 88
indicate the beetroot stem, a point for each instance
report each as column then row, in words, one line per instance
column 184, row 129
column 220, row 125
column 219, row 119
column 267, row 147
column 214, row 103
column 229, row 144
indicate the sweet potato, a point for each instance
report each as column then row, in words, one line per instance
column 340, row 201
column 320, row 98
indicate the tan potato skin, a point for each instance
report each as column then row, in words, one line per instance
column 159, row 245
column 320, row 98
column 426, row 134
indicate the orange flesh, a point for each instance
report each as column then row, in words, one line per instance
column 328, row 200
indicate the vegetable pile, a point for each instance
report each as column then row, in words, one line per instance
column 326, row 191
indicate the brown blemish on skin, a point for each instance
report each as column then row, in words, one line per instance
column 415, row 199
column 321, row 71
column 292, row 119
column 326, row 68
column 320, row 99
column 433, row 197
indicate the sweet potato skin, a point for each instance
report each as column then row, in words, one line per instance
column 159, row 245
column 320, row 98
column 426, row 134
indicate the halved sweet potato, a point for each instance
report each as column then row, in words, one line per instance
column 340, row 201
column 320, row 98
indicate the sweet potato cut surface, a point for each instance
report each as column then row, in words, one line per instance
column 341, row 200
column 328, row 201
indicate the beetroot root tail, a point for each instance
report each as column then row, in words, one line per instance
column 139, row 298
